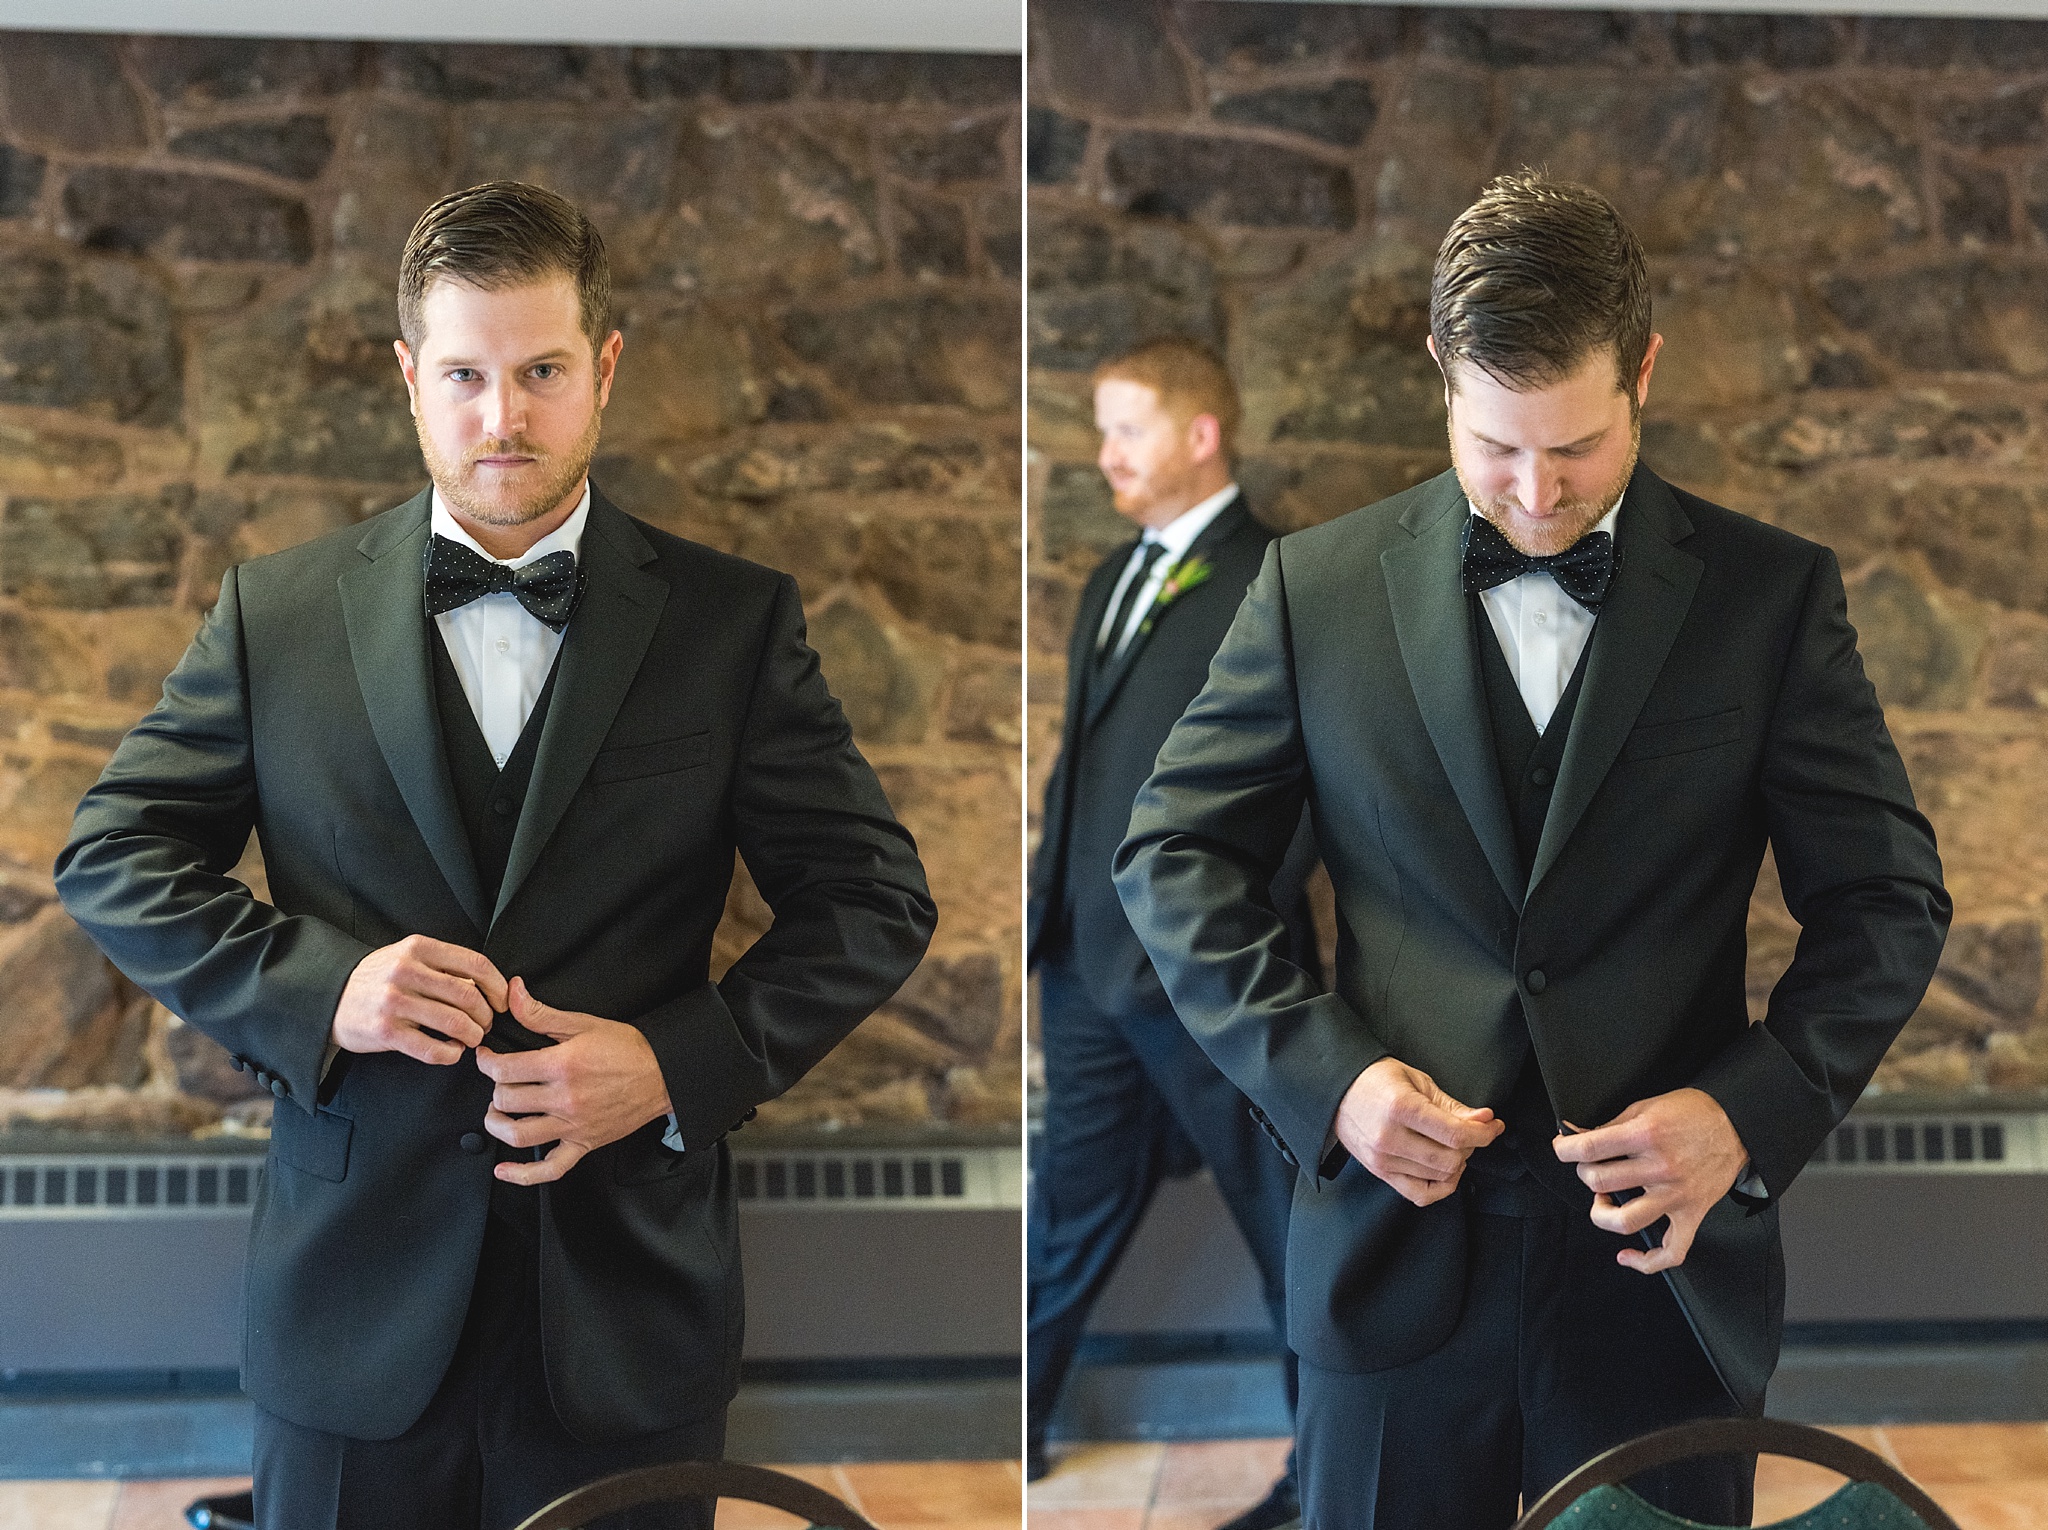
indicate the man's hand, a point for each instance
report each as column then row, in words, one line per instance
column 425, row 998
column 1395, row 1121
column 597, row 1083
column 1679, row 1149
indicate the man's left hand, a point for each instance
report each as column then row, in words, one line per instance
column 1679, row 1149
column 597, row 1083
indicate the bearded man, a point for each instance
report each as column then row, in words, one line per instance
column 1547, row 712
column 499, row 746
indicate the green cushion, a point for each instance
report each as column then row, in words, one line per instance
column 1853, row 1506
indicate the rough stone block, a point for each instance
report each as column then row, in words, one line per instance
column 1227, row 181
column 1098, row 290
column 1341, row 112
column 1001, row 224
column 2009, row 116
column 1916, row 652
column 69, row 93
column 1963, row 315
column 969, row 150
column 1225, row 34
column 1111, row 60
column 21, row 180
column 946, row 348
column 955, row 574
column 930, row 236
column 985, row 703
column 203, row 1070
column 91, row 554
column 1995, row 966
column 1054, row 146
column 191, row 70
column 1923, row 42
column 1076, row 516
column 1339, row 357
column 687, row 373
column 1975, row 202
column 946, row 79
column 1908, row 426
column 1288, row 494
column 296, row 147
column 1506, row 39
column 1434, row 138
column 180, row 216
column 91, row 334
column 956, row 999
column 1782, row 42
column 60, row 994
column 885, row 685
column 868, row 460
column 493, row 72
column 2016, row 669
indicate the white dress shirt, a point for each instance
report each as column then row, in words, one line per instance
column 502, row 652
column 1542, row 631
column 1176, row 536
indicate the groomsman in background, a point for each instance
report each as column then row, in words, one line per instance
column 1130, row 1098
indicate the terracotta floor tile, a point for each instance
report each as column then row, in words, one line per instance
column 1084, row 1519
column 897, row 1493
column 57, row 1505
column 1945, row 1453
column 1785, row 1488
column 1099, row 1476
column 1995, row 1506
column 160, row 1505
column 1238, row 1472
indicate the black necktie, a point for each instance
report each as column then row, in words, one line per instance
column 1583, row 570
column 547, row 587
column 1105, row 650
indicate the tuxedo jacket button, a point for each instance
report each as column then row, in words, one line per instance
column 1536, row 981
column 472, row 1142
column 238, row 1062
column 280, row 1088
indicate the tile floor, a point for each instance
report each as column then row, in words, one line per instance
column 1989, row 1476
column 923, row 1495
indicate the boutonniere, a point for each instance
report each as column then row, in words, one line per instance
column 1181, row 578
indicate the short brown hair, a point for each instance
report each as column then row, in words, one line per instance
column 504, row 234
column 1188, row 376
column 1533, row 278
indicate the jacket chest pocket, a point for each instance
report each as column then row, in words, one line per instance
column 1684, row 735
column 663, row 756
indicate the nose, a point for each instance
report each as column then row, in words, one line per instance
column 1106, row 457
column 1539, row 486
column 504, row 410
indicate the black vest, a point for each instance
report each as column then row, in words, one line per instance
column 1528, row 763
column 490, row 800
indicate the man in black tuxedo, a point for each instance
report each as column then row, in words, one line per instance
column 1130, row 1099
column 1547, row 711
column 500, row 746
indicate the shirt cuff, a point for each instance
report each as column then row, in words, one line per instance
column 673, row 1137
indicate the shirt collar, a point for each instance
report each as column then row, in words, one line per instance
column 567, row 537
column 1179, row 534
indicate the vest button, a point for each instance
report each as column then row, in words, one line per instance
column 472, row 1142
column 503, row 807
column 1540, row 776
column 1536, row 981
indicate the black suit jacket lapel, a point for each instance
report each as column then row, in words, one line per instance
column 1102, row 688
column 383, row 604
column 601, row 653
column 1653, row 588
column 1433, row 624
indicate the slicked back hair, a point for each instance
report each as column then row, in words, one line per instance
column 1533, row 278
column 504, row 234
column 1188, row 376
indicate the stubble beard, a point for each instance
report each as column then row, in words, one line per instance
column 457, row 481
column 1574, row 517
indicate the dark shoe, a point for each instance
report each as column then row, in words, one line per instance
column 237, row 1511
column 1278, row 1509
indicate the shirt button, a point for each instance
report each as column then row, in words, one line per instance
column 503, row 645
column 472, row 1142
column 1541, row 618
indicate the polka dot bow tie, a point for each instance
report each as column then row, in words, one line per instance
column 1583, row 570
column 547, row 587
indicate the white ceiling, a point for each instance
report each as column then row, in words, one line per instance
column 968, row 26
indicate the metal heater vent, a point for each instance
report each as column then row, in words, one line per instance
column 948, row 1179
column 2004, row 1143
column 106, row 1185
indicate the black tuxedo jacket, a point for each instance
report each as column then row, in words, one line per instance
column 1723, row 707
column 689, row 720
column 1116, row 719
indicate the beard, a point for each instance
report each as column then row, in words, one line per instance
column 547, row 481
column 1573, row 518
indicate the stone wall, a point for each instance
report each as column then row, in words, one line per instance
column 818, row 259
column 1847, row 222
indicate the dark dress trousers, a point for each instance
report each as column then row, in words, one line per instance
column 1721, row 707
column 686, row 720
column 1130, row 1099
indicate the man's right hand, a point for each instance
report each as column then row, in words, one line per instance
column 1405, row 1130
column 425, row 998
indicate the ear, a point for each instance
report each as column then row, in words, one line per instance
column 1204, row 437
column 608, row 365
column 1643, row 377
column 407, row 365
column 1442, row 371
